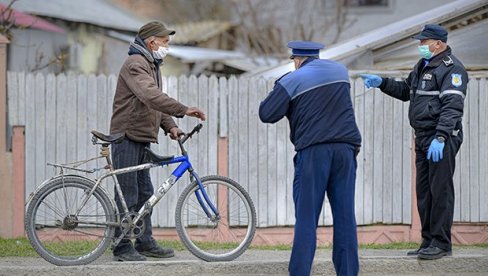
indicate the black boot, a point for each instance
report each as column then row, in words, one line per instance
column 433, row 253
column 156, row 251
column 129, row 256
column 416, row 251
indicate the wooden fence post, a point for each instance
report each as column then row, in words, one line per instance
column 6, row 188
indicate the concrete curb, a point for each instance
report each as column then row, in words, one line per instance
column 258, row 262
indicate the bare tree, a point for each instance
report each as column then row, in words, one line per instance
column 59, row 60
column 181, row 11
column 7, row 20
column 266, row 26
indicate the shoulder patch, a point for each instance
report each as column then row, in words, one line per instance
column 456, row 80
column 448, row 61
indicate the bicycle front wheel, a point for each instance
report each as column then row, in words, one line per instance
column 62, row 229
column 210, row 237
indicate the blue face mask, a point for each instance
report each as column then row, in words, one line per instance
column 425, row 52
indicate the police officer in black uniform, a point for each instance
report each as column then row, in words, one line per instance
column 436, row 89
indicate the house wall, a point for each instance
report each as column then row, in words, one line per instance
column 89, row 42
column 86, row 47
column 114, row 54
column 31, row 50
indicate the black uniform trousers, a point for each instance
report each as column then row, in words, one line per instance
column 435, row 191
column 136, row 187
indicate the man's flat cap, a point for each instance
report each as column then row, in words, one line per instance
column 154, row 28
column 432, row 31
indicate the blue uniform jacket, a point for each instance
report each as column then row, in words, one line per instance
column 316, row 100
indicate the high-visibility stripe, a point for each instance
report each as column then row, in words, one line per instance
column 456, row 92
column 428, row 93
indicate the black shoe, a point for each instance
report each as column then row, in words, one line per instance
column 433, row 253
column 157, row 252
column 415, row 252
column 130, row 256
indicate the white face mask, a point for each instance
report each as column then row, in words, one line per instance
column 161, row 52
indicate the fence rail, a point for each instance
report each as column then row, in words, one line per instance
column 58, row 113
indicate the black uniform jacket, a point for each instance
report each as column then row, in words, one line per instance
column 436, row 90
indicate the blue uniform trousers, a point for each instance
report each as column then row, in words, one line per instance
column 319, row 169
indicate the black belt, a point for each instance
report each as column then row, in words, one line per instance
column 421, row 133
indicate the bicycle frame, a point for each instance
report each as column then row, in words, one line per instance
column 184, row 166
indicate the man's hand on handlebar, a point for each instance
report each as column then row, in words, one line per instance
column 195, row 112
column 175, row 133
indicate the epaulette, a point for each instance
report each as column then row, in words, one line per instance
column 448, row 61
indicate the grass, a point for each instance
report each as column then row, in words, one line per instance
column 16, row 247
column 21, row 247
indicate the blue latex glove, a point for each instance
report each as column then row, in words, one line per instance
column 435, row 150
column 371, row 80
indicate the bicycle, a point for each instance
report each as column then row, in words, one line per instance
column 71, row 220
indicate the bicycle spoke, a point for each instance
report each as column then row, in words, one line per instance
column 195, row 227
column 55, row 210
column 89, row 234
column 58, row 234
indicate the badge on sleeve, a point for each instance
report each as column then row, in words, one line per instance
column 456, row 80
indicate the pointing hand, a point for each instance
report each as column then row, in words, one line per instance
column 371, row 80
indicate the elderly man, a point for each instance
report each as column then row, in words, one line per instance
column 316, row 100
column 140, row 108
column 436, row 89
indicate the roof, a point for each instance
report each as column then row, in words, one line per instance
column 474, row 55
column 194, row 32
column 190, row 54
column 96, row 12
column 197, row 54
column 26, row 20
column 386, row 35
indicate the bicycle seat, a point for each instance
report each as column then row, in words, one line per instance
column 153, row 157
column 113, row 138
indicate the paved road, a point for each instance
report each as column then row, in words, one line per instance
column 472, row 261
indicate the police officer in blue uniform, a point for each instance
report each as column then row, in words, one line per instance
column 436, row 89
column 316, row 100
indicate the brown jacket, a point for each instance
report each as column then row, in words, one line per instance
column 140, row 107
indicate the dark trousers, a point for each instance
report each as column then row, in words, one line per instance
column 136, row 187
column 435, row 191
column 320, row 169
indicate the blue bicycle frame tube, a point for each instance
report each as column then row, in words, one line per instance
column 180, row 170
column 183, row 167
column 205, row 196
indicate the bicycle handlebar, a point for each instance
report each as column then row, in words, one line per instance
column 196, row 129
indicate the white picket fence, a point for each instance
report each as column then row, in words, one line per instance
column 58, row 113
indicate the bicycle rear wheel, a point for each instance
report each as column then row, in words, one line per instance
column 61, row 229
column 222, row 238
